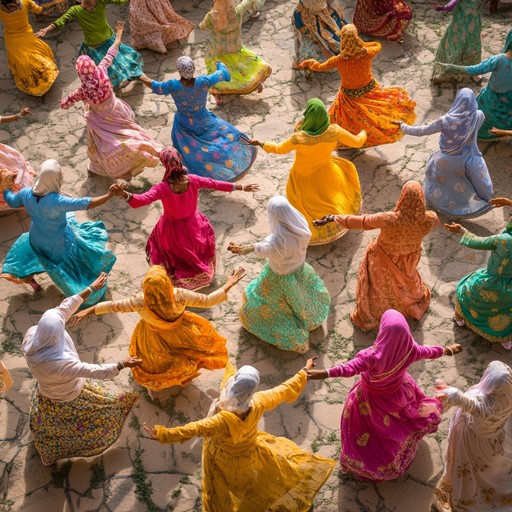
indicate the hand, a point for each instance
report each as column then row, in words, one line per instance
column 317, row 374
column 440, row 384
column 99, row 282
column 454, row 227
column 119, row 26
column 8, row 178
column 310, row 363
column 131, row 362
column 239, row 249
column 24, row 112
column 235, row 277
column 251, row 142
column 43, row 32
column 150, row 430
column 451, row 350
column 117, row 189
column 324, row 220
column 78, row 317
column 396, row 123
column 306, row 64
column 500, row 133
column 252, row 187
column 499, row 202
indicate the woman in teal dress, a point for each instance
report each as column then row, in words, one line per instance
column 484, row 297
column 461, row 42
column 288, row 299
column 495, row 99
column 72, row 254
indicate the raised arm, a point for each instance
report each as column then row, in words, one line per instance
column 209, row 183
column 454, row 397
column 206, row 427
column 314, row 65
column 112, row 52
column 13, row 199
column 424, row 129
column 72, row 98
column 245, row 5
column 288, row 391
column 221, row 75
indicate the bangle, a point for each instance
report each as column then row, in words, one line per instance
column 120, row 365
column 18, row 117
column 91, row 289
column 449, row 351
column 128, row 196
column 243, row 188
column 262, row 144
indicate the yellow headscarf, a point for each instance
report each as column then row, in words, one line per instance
column 350, row 43
column 159, row 293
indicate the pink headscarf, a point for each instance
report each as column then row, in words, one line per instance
column 96, row 86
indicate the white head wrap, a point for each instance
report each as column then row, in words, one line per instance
column 185, row 67
column 49, row 179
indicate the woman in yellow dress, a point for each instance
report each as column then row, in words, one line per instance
column 176, row 343
column 30, row 59
column 317, row 179
column 244, row 469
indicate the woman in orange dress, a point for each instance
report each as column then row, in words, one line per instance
column 361, row 103
column 388, row 277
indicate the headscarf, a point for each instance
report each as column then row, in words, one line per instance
column 222, row 13
column 461, row 122
column 172, row 162
column 237, row 393
column 508, row 42
column 159, row 293
column 185, row 66
column 287, row 244
column 350, row 43
column 49, row 179
column 96, row 85
column 316, row 119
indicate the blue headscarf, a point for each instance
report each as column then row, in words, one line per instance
column 508, row 42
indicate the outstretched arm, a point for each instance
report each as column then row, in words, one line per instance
column 206, row 427
column 221, row 75
column 112, row 52
column 448, row 7
column 349, row 139
column 424, row 129
column 314, row 65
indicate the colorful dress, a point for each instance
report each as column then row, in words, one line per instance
column 484, row 296
column 457, row 181
column 116, row 145
column 247, row 470
column 54, row 6
column 210, row 147
column 382, row 18
column 72, row 254
column 388, row 277
column 476, row 477
column 155, row 24
column 316, row 26
column 99, row 37
column 30, row 59
column 69, row 415
column 247, row 70
column 14, row 161
column 385, row 414
column 183, row 240
column 173, row 344
column 461, row 43
column 319, row 183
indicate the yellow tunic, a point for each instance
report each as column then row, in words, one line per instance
column 319, row 183
column 30, row 59
column 172, row 352
column 245, row 470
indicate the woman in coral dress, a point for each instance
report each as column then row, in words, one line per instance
column 245, row 469
column 388, row 277
column 319, row 181
column 174, row 344
column 116, row 145
column 385, row 414
column 247, row 70
column 361, row 103
column 30, row 60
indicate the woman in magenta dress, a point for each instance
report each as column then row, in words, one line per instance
column 385, row 414
column 183, row 240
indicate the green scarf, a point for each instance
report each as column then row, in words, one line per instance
column 316, row 119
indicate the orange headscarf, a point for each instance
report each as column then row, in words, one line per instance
column 350, row 43
column 159, row 293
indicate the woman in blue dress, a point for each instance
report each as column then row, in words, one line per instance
column 495, row 99
column 72, row 254
column 210, row 147
column 457, row 181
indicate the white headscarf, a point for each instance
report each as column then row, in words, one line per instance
column 185, row 66
column 49, row 179
column 286, row 246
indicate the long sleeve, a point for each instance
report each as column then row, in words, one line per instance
column 13, row 199
column 288, row 391
column 116, row 2
column 349, row 139
column 33, row 7
column 152, row 195
column 205, row 428
column 366, row 222
column 72, row 204
column 424, row 129
column 70, row 15
column 353, row 367
column 72, row 98
column 163, row 88
column 331, row 63
column 79, row 369
column 373, row 48
column 221, row 75
column 280, row 148
column 134, row 303
column 470, row 404
column 487, row 66
column 449, row 6
column 486, row 243
column 106, row 62
column 244, row 6
column 68, row 306
column 209, row 183
column 207, row 22
column 427, row 352
column 201, row 300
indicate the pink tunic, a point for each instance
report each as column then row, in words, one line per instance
column 183, row 240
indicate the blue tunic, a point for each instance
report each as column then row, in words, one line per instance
column 72, row 254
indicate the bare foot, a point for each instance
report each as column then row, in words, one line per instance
column 260, row 88
column 36, row 287
column 218, row 99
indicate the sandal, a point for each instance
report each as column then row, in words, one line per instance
column 458, row 320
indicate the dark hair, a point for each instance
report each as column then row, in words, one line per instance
column 177, row 176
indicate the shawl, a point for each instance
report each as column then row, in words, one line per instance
column 222, row 13
column 159, row 293
column 237, row 393
column 49, row 179
column 172, row 162
column 316, row 119
column 96, row 85
column 508, row 42
column 350, row 43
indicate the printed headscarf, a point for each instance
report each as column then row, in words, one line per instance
column 350, row 43
column 49, row 179
column 316, row 118
column 96, row 85
column 159, row 293
column 222, row 13
column 172, row 162
column 185, row 66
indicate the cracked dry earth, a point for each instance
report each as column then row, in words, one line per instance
column 138, row 474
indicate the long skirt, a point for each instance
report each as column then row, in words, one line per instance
column 116, row 145
column 85, row 259
column 497, row 108
column 380, row 432
column 382, row 18
column 13, row 161
column 211, row 147
column 484, row 300
column 374, row 112
column 283, row 309
column 84, row 427
column 126, row 66
column 173, row 356
column 154, row 24
column 186, row 248
column 247, row 70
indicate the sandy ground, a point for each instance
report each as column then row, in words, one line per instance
column 138, row 474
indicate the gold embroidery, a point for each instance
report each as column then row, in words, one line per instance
column 362, row 440
column 499, row 323
column 364, row 409
column 386, row 420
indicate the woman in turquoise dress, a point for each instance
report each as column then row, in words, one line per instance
column 72, row 254
column 484, row 297
column 461, row 42
column 288, row 299
column 495, row 99
column 209, row 146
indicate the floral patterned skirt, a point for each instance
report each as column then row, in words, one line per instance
column 84, row 427
column 13, row 160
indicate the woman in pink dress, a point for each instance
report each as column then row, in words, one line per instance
column 385, row 414
column 116, row 145
column 183, row 240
